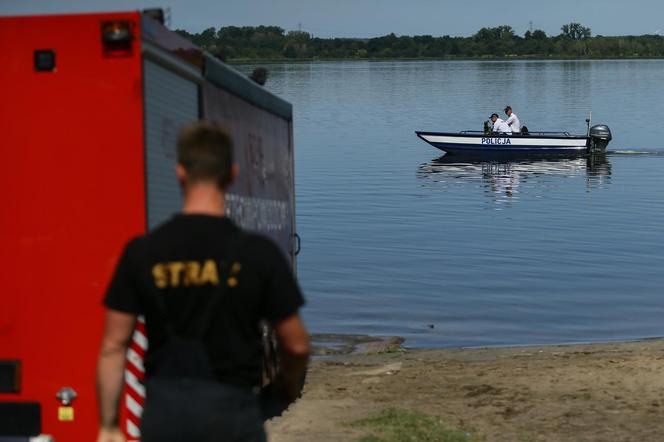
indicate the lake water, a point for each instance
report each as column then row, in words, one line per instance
column 399, row 241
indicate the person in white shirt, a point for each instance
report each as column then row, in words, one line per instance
column 512, row 120
column 500, row 126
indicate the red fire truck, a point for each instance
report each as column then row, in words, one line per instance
column 90, row 108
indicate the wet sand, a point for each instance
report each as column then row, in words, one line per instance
column 595, row 392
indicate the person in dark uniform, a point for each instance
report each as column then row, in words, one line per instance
column 204, row 286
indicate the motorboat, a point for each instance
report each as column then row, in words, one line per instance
column 524, row 143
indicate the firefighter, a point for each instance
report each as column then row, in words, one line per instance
column 203, row 285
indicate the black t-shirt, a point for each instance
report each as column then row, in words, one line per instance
column 185, row 261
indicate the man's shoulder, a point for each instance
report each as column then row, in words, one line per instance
column 257, row 244
column 252, row 245
column 134, row 245
column 166, row 227
column 260, row 253
column 182, row 226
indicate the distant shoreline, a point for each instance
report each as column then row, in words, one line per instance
column 263, row 43
column 516, row 58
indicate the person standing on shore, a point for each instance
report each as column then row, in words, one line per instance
column 204, row 286
column 512, row 120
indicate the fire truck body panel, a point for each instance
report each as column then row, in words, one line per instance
column 73, row 182
column 89, row 151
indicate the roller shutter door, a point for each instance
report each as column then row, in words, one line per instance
column 171, row 101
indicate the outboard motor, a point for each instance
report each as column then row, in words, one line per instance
column 600, row 135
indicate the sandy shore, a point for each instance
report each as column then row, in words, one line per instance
column 598, row 392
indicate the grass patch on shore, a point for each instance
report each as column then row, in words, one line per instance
column 399, row 425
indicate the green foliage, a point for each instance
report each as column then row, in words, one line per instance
column 574, row 31
column 493, row 34
column 273, row 43
column 397, row 425
column 537, row 34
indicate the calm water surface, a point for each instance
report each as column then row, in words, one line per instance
column 400, row 241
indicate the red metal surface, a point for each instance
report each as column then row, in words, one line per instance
column 71, row 143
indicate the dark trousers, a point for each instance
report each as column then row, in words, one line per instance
column 200, row 411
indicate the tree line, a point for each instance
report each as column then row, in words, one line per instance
column 274, row 43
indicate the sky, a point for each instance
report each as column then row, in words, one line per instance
column 370, row 18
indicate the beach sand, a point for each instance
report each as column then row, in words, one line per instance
column 595, row 392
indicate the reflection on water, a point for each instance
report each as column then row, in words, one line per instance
column 501, row 178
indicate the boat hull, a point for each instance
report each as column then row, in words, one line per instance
column 503, row 144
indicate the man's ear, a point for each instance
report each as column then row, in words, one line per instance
column 181, row 174
column 235, row 170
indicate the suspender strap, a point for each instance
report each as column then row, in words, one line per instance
column 212, row 309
